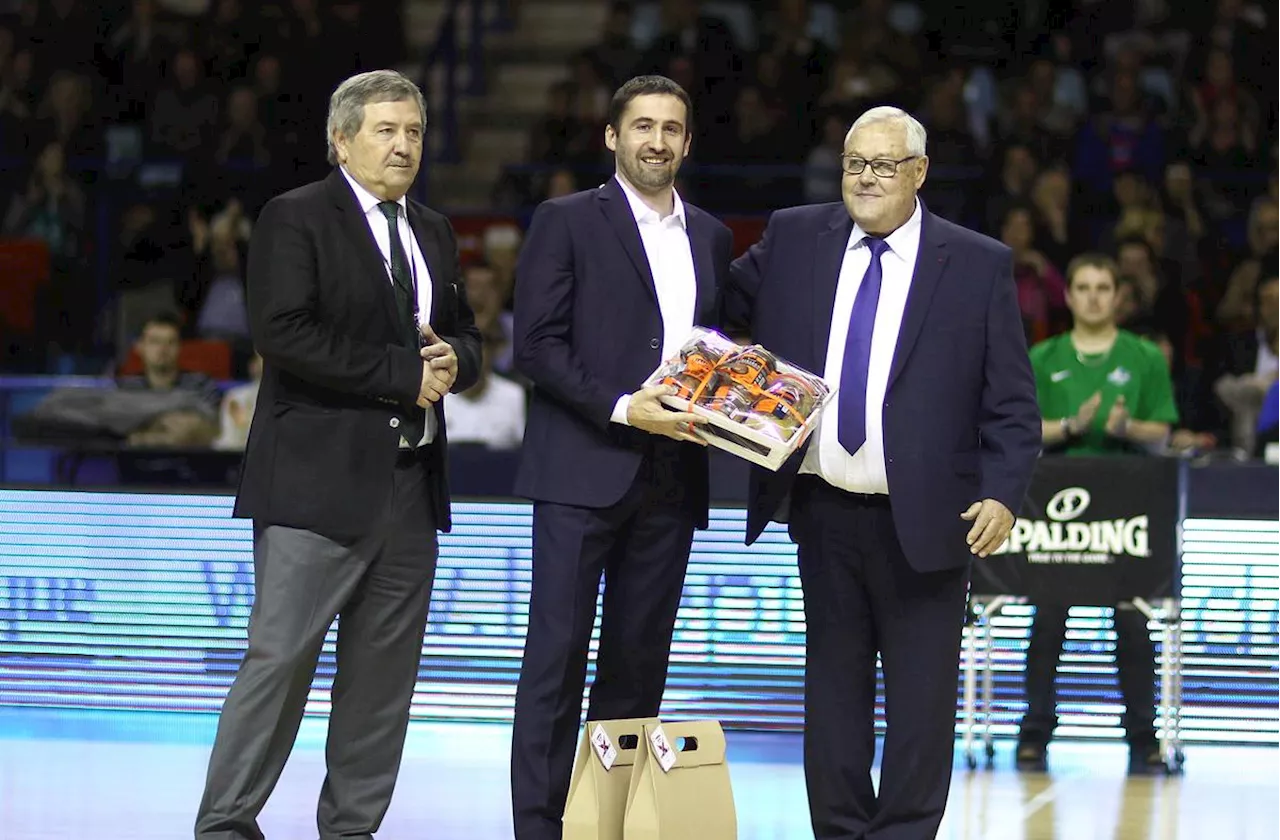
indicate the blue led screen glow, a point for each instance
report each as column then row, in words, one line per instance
column 140, row 601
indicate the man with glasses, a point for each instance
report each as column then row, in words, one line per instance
column 918, row 465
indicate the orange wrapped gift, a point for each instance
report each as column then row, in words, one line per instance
column 758, row 406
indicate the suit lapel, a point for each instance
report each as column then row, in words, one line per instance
column 617, row 210
column 931, row 261
column 356, row 227
column 430, row 248
column 703, row 262
column 827, row 261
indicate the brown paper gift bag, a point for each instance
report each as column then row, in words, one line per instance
column 680, row 788
column 601, row 778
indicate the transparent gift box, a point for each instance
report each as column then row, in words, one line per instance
column 758, row 406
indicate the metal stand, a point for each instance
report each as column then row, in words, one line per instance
column 978, row 644
column 1169, row 699
column 978, row 647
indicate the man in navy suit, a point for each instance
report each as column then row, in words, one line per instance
column 917, row 465
column 609, row 283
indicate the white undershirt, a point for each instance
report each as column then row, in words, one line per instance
column 494, row 418
column 670, row 255
column 1267, row 363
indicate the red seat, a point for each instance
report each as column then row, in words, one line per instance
column 200, row 355
column 24, row 269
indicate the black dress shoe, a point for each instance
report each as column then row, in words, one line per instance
column 1146, row 761
column 1032, row 758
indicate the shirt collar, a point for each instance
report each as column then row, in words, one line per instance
column 366, row 199
column 900, row 242
column 644, row 213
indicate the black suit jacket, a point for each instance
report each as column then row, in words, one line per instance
column 961, row 421
column 1235, row 354
column 588, row 330
column 324, row 438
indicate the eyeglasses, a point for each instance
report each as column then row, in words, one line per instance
column 880, row 167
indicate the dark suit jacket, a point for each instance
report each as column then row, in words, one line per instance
column 588, row 330
column 1234, row 354
column 1237, row 354
column 323, row 443
column 960, row 416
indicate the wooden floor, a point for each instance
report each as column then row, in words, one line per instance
column 114, row 776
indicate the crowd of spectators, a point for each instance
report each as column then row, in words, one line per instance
column 140, row 138
column 1145, row 130
column 179, row 118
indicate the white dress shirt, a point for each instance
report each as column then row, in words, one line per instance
column 494, row 417
column 1267, row 363
column 418, row 265
column 864, row 471
column 666, row 245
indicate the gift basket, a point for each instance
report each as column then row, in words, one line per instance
column 757, row 405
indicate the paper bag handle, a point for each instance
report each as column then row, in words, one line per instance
column 625, row 733
column 697, row 742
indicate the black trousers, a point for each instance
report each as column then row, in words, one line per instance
column 1135, row 665
column 861, row 597
column 641, row 546
column 378, row 588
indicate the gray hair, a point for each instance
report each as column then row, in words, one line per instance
column 346, row 105
column 916, row 135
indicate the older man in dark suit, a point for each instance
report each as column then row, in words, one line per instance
column 918, row 465
column 610, row 282
column 358, row 312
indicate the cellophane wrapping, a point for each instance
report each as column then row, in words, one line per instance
column 747, row 385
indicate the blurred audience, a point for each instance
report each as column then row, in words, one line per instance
column 140, row 138
column 158, row 346
column 486, row 293
column 492, row 411
column 1235, row 310
column 1248, row 368
column 51, row 208
column 238, row 405
column 1041, row 289
column 185, row 111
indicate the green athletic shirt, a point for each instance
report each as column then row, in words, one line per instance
column 1133, row 367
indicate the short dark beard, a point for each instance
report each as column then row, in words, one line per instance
column 643, row 177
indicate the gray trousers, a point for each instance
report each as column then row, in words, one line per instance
column 378, row 588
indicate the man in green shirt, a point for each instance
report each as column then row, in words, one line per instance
column 1102, row 391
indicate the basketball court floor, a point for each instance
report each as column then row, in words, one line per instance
column 138, row 776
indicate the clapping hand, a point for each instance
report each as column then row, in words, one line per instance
column 1080, row 422
column 1118, row 418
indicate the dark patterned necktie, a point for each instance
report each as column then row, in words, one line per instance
column 407, row 307
column 406, row 295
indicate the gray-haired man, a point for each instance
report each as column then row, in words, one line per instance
column 357, row 310
column 918, row 467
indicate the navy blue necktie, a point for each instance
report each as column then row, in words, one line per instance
column 852, row 427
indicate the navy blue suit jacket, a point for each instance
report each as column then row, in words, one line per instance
column 960, row 416
column 588, row 330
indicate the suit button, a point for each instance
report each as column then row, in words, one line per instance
column 654, row 343
column 395, row 422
